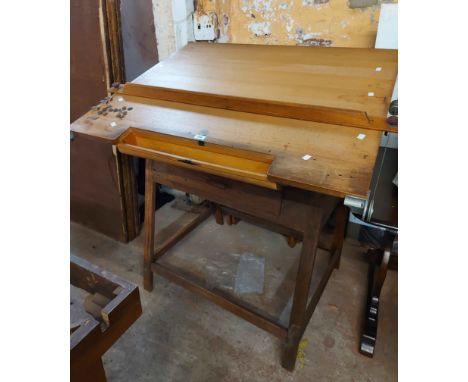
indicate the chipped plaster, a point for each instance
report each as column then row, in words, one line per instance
column 295, row 22
column 164, row 26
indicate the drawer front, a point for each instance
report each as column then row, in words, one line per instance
column 223, row 161
column 231, row 193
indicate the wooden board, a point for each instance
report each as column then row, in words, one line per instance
column 341, row 164
column 215, row 159
column 111, row 40
column 95, row 192
column 138, row 37
column 92, row 336
column 343, row 86
column 87, row 61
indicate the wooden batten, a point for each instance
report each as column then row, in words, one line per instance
column 244, row 165
column 314, row 113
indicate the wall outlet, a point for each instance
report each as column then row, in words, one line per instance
column 205, row 26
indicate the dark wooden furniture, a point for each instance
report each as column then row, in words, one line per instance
column 87, row 60
column 111, row 41
column 103, row 306
column 275, row 135
column 103, row 192
column 294, row 212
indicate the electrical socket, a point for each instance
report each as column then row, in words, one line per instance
column 205, row 26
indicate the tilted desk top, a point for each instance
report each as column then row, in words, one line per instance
column 341, row 164
column 345, row 86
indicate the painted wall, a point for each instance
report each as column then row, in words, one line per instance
column 164, row 26
column 344, row 23
column 174, row 25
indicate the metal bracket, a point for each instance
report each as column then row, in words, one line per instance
column 358, row 206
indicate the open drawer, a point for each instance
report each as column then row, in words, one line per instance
column 243, row 165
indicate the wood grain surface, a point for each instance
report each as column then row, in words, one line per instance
column 344, row 86
column 89, row 341
column 341, row 164
column 87, row 61
column 334, row 82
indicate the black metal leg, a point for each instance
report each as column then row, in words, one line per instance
column 378, row 267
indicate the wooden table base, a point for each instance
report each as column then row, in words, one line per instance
column 300, row 215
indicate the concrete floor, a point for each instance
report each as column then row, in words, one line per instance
column 182, row 337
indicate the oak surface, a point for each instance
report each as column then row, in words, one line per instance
column 341, row 157
column 344, row 86
column 341, row 164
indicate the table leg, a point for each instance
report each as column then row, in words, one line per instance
column 232, row 220
column 150, row 203
column 298, row 321
column 341, row 219
column 97, row 372
column 218, row 214
column 291, row 241
column 93, row 372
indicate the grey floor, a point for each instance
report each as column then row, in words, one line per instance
column 182, row 337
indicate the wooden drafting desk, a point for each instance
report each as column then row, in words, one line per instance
column 275, row 135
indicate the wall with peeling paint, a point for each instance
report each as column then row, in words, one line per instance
column 164, row 28
column 174, row 25
column 345, row 23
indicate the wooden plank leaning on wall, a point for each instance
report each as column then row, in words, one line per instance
column 103, row 194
